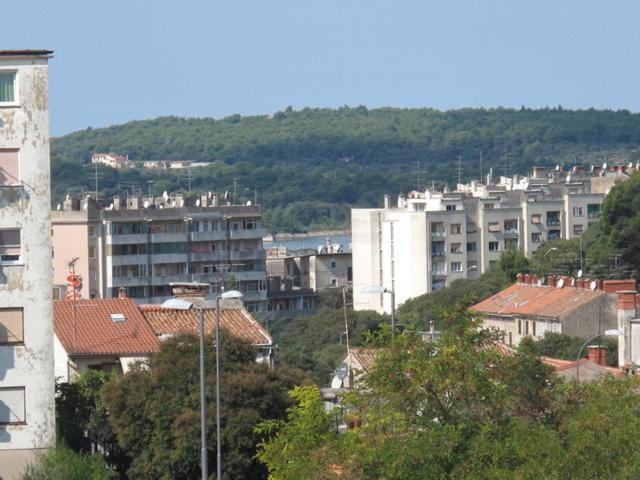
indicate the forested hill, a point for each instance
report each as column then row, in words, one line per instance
column 308, row 166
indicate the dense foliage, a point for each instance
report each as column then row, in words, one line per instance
column 431, row 307
column 456, row 408
column 155, row 411
column 62, row 463
column 339, row 158
column 316, row 343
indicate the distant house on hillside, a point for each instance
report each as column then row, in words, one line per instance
column 113, row 160
column 103, row 334
column 167, row 322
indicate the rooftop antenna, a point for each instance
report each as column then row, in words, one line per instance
column 459, row 169
column 481, row 165
column 418, row 171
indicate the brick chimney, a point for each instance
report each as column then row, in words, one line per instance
column 626, row 313
column 597, row 354
column 613, row 286
column 551, row 281
column 122, row 292
column 519, row 277
column 534, row 279
column 527, row 278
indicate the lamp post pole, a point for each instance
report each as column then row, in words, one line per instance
column 203, row 409
column 218, row 446
column 393, row 312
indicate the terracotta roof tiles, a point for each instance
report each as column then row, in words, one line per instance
column 237, row 321
column 539, row 301
column 86, row 327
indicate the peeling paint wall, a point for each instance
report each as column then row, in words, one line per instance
column 28, row 284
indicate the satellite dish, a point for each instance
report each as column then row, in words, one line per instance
column 197, row 202
column 630, row 164
column 146, row 204
column 173, row 204
column 58, row 207
column 111, row 206
column 580, row 273
column 540, row 282
column 210, row 194
column 161, row 206
column 593, row 285
column 182, row 202
column 557, row 168
column 165, row 195
column 86, row 206
column 336, row 383
column 568, row 179
column 638, row 166
column 343, row 371
column 604, row 166
column 560, row 283
column 573, row 282
column 248, row 203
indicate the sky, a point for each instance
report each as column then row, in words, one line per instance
column 122, row 60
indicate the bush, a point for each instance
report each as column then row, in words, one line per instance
column 63, row 463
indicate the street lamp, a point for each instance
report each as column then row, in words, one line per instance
column 226, row 295
column 181, row 304
column 379, row 289
column 550, row 250
column 608, row 333
column 472, row 267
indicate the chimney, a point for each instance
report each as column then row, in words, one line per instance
column 534, row 279
column 613, row 286
column 519, row 277
column 189, row 289
column 527, row 278
column 551, row 281
column 626, row 313
column 386, row 202
column 579, row 283
column 597, row 354
column 122, row 292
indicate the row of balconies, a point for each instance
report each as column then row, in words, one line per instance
column 219, row 256
column 219, row 235
column 215, row 277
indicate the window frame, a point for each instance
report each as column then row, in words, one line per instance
column 19, row 246
column 18, row 180
column 16, row 94
column 497, row 243
column 18, row 342
column 24, row 406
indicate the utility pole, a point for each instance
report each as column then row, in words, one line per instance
column 480, row 165
column 418, row 172
column 459, row 169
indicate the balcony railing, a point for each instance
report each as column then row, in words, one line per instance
column 553, row 222
column 438, row 253
column 438, row 233
column 439, row 273
column 513, row 233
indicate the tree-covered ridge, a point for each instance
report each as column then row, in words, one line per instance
column 338, row 158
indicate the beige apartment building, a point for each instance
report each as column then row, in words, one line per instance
column 429, row 239
column 27, row 415
column 143, row 244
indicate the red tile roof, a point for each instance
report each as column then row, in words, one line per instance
column 365, row 357
column 92, row 331
column 589, row 371
column 538, row 301
column 237, row 321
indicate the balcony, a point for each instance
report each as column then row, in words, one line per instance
column 176, row 237
column 129, row 281
column 129, row 259
column 257, row 233
column 219, row 256
column 553, row 222
column 248, row 276
column 439, row 273
column 593, row 214
column 212, row 235
column 126, row 239
column 438, row 253
column 438, row 233
column 513, row 233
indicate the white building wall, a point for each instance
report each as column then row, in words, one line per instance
column 365, row 248
column 25, row 126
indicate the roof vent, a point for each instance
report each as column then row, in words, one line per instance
column 117, row 317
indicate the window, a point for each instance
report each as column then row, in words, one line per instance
column 553, row 234
column 578, row 229
column 9, row 168
column 494, row 226
column 593, row 210
column 456, row 266
column 7, row 87
column 471, row 246
column 510, row 339
column 91, row 230
column 456, row 248
column 11, row 326
column 250, row 225
column 334, row 281
column 526, row 327
column 9, row 246
column 92, row 252
column 519, row 327
column 489, row 206
column 12, row 406
column 333, row 264
column 536, row 237
column 536, row 218
column 494, row 246
column 451, row 208
column 577, row 211
column 553, row 218
column 533, row 327
column 456, row 228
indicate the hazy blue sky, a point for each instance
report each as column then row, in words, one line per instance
column 119, row 60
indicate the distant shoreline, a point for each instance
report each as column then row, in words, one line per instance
column 282, row 237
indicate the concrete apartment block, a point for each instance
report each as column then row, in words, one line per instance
column 429, row 239
column 27, row 417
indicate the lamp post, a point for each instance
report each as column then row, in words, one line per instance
column 180, row 304
column 230, row 294
column 379, row 289
column 608, row 333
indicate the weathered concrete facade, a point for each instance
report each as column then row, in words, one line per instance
column 27, row 419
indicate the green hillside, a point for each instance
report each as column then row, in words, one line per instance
column 309, row 166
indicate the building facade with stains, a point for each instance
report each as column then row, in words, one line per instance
column 27, row 415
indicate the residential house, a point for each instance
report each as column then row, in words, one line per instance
column 104, row 334
column 113, row 160
column 237, row 321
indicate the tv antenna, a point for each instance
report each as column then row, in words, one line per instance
column 459, row 169
column 418, row 173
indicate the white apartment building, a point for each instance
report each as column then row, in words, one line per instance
column 144, row 244
column 429, row 239
column 113, row 160
column 27, row 415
